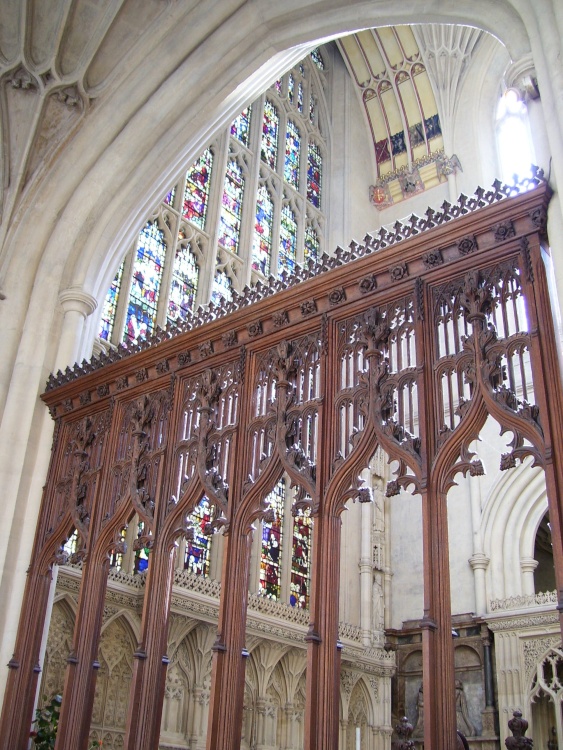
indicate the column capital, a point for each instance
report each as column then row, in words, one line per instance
column 479, row 561
column 75, row 299
column 528, row 564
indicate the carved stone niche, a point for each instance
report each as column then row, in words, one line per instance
column 469, row 653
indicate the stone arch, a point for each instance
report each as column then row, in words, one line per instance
column 59, row 645
column 360, row 715
column 513, row 511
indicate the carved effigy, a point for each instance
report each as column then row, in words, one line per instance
column 408, row 341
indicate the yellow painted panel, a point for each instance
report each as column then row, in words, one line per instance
column 422, row 83
column 410, row 103
column 389, row 43
column 391, row 107
column 406, row 37
column 371, row 51
column 419, row 151
column 355, row 58
column 401, row 160
column 436, row 144
column 375, row 116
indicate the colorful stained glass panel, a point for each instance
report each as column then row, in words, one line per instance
column 314, row 174
column 316, row 57
column 300, row 97
column 288, row 241
column 292, row 153
column 183, row 288
column 196, row 189
column 170, row 195
column 145, row 284
column 262, row 245
column 270, row 127
column 198, row 549
column 110, row 306
column 222, row 288
column 300, row 584
column 231, row 208
column 272, row 538
column 312, row 245
column 240, row 129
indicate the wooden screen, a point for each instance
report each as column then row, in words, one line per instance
column 407, row 341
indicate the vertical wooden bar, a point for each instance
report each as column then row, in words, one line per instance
column 80, row 679
column 149, row 669
column 17, row 713
column 229, row 655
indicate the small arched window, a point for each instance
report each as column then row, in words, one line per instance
column 514, row 138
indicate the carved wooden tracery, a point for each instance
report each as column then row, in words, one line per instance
column 353, row 353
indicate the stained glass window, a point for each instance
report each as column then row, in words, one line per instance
column 262, row 245
column 300, row 97
column 270, row 125
column 110, row 306
column 183, row 289
column 198, row 549
column 278, row 85
column 312, row 109
column 196, row 189
column 316, row 57
column 270, row 556
column 222, row 288
column 292, row 151
column 231, row 208
column 141, row 555
column 312, row 245
column 314, row 174
column 170, row 195
column 240, row 129
column 301, row 560
column 288, row 241
column 291, row 88
column 145, row 284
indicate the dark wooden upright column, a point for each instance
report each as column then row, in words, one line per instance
column 149, row 669
column 227, row 681
column 323, row 654
column 437, row 645
column 80, row 679
column 17, row 713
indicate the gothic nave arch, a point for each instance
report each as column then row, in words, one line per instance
column 69, row 226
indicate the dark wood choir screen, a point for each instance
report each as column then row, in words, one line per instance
column 407, row 341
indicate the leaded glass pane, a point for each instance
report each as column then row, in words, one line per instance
column 198, row 549
column 262, row 245
column 116, row 558
column 141, row 555
column 300, row 97
column 222, row 288
column 145, row 284
column 231, row 208
column 71, row 544
column 301, row 560
column 278, row 85
column 312, row 245
column 312, row 109
column 316, row 57
column 288, row 241
column 170, row 195
column 270, row 125
column 196, row 190
column 270, row 557
column 110, row 306
column 314, row 174
column 183, row 289
column 240, row 129
column 292, row 151
column 291, row 88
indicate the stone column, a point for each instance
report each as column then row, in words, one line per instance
column 528, row 566
column 479, row 563
column 365, row 575
column 77, row 305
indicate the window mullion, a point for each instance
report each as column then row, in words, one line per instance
column 166, row 281
column 123, row 299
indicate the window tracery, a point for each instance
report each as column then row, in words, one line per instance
column 248, row 212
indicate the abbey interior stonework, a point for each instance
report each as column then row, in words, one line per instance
column 305, row 479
